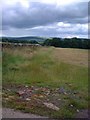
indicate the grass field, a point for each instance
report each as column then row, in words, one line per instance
column 52, row 68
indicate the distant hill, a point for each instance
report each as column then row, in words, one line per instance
column 27, row 38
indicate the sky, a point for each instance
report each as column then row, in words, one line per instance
column 45, row 18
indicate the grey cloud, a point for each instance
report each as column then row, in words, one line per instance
column 56, row 31
column 43, row 14
column 48, row 32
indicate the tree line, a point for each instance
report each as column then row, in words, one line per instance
column 19, row 41
column 68, row 43
column 57, row 42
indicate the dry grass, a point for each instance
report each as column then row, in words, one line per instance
column 25, row 52
column 72, row 56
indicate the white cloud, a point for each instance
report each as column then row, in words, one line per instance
column 53, row 30
column 25, row 3
column 61, row 24
column 44, row 19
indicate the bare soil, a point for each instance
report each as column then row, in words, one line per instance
column 83, row 114
column 11, row 113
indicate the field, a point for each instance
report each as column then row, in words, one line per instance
column 51, row 76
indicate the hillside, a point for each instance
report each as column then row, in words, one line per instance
column 27, row 38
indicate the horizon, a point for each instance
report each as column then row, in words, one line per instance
column 44, row 37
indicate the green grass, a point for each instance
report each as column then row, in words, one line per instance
column 44, row 70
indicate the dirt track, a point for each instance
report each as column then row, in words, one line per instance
column 83, row 114
column 10, row 113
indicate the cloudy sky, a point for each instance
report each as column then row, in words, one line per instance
column 47, row 18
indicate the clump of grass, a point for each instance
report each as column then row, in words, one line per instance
column 78, row 104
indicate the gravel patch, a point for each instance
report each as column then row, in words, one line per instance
column 11, row 113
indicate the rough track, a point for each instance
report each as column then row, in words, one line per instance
column 10, row 113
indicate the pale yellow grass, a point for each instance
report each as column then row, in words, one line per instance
column 72, row 56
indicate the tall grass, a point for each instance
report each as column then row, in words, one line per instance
column 42, row 70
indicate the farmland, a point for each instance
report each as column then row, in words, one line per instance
column 54, row 75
